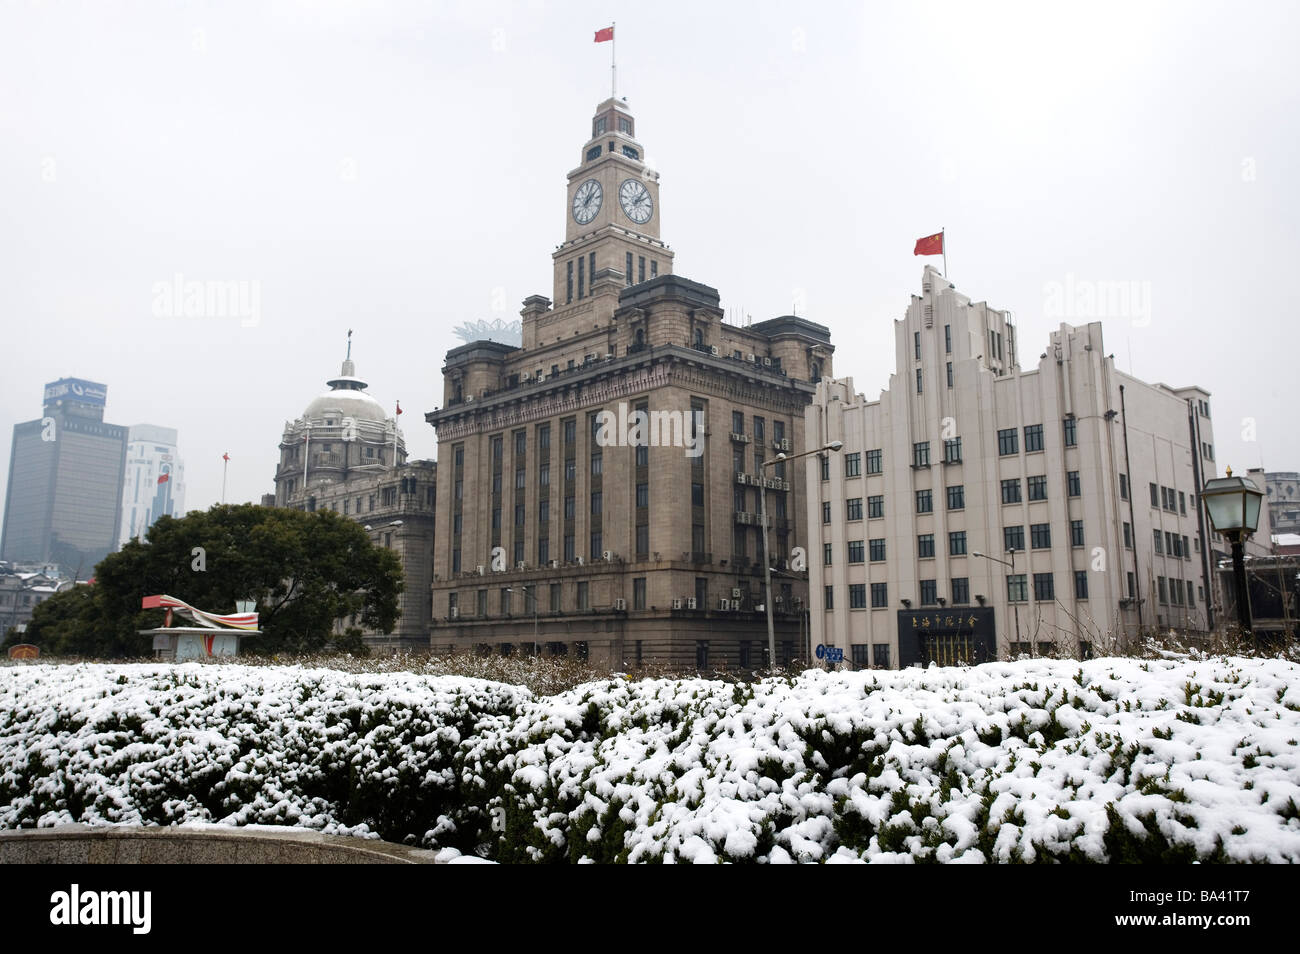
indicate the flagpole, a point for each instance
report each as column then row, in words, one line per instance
column 225, row 467
column 943, row 244
column 396, row 417
column 613, row 60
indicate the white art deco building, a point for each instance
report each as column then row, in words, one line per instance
column 1075, row 482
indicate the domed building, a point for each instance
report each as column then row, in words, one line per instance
column 347, row 455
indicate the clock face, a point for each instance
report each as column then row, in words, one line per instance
column 586, row 202
column 636, row 201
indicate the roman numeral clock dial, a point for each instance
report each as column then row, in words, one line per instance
column 635, row 199
column 586, row 202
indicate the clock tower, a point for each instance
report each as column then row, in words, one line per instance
column 611, row 237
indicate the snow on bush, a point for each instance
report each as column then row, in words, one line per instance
column 1107, row 760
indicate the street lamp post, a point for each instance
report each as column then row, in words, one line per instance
column 767, row 556
column 1233, row 503
column 1015, row 605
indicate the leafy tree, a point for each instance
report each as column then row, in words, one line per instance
column 309, row 573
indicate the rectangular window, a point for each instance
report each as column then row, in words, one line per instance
column 1182, row 503
column 827, row 550
column 916, row 344
column 957, row 497
column 555, row 597
column 918, row 380
column 860, row 652
column 877, row 549
column 949, row 374
column 519, row 518
column 628, row 268
column 852, row 465
column 1155, row 496
column 855, row 551
column 697, row 495
column 520, row 477
column 854, row 508
column 952, row 450
column 640, row 268
column 582, row 277
column 597, row 546
column 568, row 283
column 584, row 595
column 875, row 461
column 925, row 545
column 1076, row 533
column 826, row 466
column 638, row 593
column 1011, row 490
column 591, row 269
column 826, row 511
column 960, row 590
column 569, row 551
column 1044, row 590
column 1013, row 538
column 1123, row 486
column 924, row 501
column 1132, row 585
column 643, row 494
column 597, row 464
column 1008, row 442
column 947, row 339
column 1157, row 541
column 876, row 507
column 570, row 430
column 1128, row 536
column 879, row 595
column 828, row 597
column 1038, row 487
column 1017, row 589
column 957, row 543
column 857, row 596
column 654, row 268
column 1072, row 487
column 1033, row 438
column 543, row 551
column 1163, row 589
column 1040, row 536
column 1187, row 552
column 921, row 454
column 929, row 593
column 597, row 502
column 1071, row 434
column 544, row 475
column 880, row 655
column 569, row 509
column 1080, row 584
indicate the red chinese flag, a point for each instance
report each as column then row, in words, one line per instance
column 605, row 34
column 225, row 457
column 163, row 478
column 399, row 407
column 930, row 245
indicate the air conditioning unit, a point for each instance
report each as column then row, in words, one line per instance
column 713, row 350
column 609, row 556
column 454, row 612
column 581, row 561
column 692, row 603
column 521, row 565
column 620, row 604
column 555, row 564
column 735, row 592
column 783, row 444
column 735, row 605
column 724, row 605
column 609, row 356
column 468, row 398
column 751, row 358
column 481, row 569
column 767, row 362
column 778, row 600
column 677, row 604
column 541, row 376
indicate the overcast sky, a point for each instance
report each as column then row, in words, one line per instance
column 400, row 169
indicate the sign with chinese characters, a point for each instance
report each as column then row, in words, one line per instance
column 829, row 654
column 946, row 635
column 76, row 390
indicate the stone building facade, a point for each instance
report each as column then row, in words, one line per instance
column 599, row 485
column 345, row 454
column 1089, row 475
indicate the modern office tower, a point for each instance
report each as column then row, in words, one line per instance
column 64, row 499
column 154, row 485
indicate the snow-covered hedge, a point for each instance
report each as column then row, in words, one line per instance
column 1108, row 760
